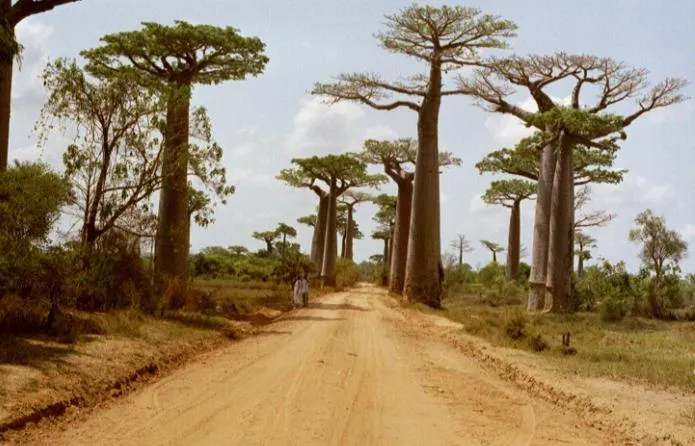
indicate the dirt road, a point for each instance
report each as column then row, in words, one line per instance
column 351, row 370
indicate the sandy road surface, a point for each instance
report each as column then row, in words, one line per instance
column 351, row 370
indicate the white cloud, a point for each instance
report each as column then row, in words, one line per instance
column 688, row 232
column 320, row 129
column 637, row 190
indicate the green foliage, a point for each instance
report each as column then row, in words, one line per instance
column 202, row 54
column 31, row 196
column 347, row 273
column 591, row 165
column 609, row 288
column 662, row 248
column 509, row 192
column 515, row 325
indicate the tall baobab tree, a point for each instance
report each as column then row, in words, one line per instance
column 445, row 39
column 340, row 173
column 398, row 159
column 510, row 194
column 351, row 199
column 301, row 178
column 11, row 13
column 461, row 245
column 563, row 128
column 493, row 247
column 267, row 237
column 175, row 58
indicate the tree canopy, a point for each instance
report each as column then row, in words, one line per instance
column 509, row 192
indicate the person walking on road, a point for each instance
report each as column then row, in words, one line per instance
column 298, row 289
column 305, row 290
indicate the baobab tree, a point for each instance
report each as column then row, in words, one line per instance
column 445, row 39
column 493, row 247
column 115, row 162
column 267, row 237
column 563, row 128
column 340, row 173
column 10, row 16
column 342, row 225
column 285, row 231
column 301, row 178
column 174, row 59
column 461, row 245
column 351, row 199
column 398, row 159
column 510, row 194
column 584, row 243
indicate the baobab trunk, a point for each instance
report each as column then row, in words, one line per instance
column 572, row 304
column 342, row 246
column 580, row 263
column 399, row 242
column 5, row 104
column 560, row 228
column 319, row 239
column 348, row 235
column 330, row 250
column 541, row 229
column 514, row 243
column 171, row 251
column 422, row 279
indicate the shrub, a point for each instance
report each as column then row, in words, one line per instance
column 502, row 292
column 537, row 343
column 347, row 274
column 614, row 307
column 490, row 274
column 515, row 326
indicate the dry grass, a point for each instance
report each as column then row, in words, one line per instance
column 642, row 350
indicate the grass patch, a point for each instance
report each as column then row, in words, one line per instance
column 641, row 350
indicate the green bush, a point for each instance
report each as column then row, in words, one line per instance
column 515, row 325
column 614, row 308
column 491, row 274
column 347, row 274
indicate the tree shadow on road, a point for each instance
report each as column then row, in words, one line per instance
column 313, row 318
column 343, row 306
column 273, row 333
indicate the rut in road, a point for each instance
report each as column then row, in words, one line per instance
column 350, row 370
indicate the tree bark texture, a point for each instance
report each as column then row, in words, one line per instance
column 5, row 106
column 541, row 229
column 514, row 243
column 318, row 241
column 171, row 251
column 572, row 303
column 330, row 250
column 343, row 244
column 560, row 228
column 348, row 236
column 401, row 232
column 422, row 280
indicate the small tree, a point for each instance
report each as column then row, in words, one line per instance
column 443, row 38
column 510, row 194
column 584, row 244
column 494, row 249
column 309, row 220
column 662, row 249
column 285, row 231
column 268, row 237
column 461, row 245
column 175, row 58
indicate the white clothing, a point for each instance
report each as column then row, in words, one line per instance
column 305, row 286
column 298, row 287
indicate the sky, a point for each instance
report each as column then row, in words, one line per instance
column 264, row 122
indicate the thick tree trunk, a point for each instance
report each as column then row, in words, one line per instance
column 5, row 105
column 541, row 229
column 580, row 265
column 572, row 304
column 560, row 229
column 343, row 244
column 330, row 250
column 422, row 279
column 171, row 251
column 319, row 239
column 348, row 235
column 401, row 232
column 514, row 243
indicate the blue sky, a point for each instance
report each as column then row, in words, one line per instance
column 263, row 122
